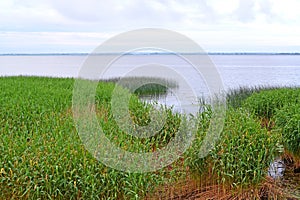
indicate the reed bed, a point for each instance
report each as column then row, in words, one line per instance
column 288, row 120
column 42, row 156
column 261, row 125
column 141, row 85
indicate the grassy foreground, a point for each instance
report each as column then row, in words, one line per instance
column 42, row 156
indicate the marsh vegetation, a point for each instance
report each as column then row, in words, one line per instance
column 42, row 156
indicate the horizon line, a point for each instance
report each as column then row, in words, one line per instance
column 154, row 53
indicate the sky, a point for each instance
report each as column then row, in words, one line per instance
column 77, row 26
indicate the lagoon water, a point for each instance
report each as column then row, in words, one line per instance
column 234, row 71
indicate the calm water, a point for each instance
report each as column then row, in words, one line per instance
column 234, row 70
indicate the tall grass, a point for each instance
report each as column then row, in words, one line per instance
column 287, row 119
column 280, row 107
column 245, row 150
column 42, row 156
column 235, row 97
column 266, row 102
column 140, row 86
column 243, row 153
column 240, row 161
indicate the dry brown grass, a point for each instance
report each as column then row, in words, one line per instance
column 267, row 123
column 207, row 189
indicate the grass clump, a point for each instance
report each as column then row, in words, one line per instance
column 243, row 153
column 280, row 109
column 145, row 86
column 238, row 165
column 287, row 119
column 265, row 103
column 236, row 97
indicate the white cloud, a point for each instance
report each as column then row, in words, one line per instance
column 223, row 7
column 215, row 23
column 288, row 10
column 50, row 42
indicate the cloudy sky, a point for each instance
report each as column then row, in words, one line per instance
column 54, row 26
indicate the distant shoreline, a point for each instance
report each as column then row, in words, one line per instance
column 146, row 53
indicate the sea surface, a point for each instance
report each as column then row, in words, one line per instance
column 230, row 71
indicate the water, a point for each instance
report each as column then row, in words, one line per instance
column 276, row 169
column 52, row 65
column 234, row 70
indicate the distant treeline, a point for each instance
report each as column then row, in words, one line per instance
column 146, row 53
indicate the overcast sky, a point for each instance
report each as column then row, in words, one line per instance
column 44, row 26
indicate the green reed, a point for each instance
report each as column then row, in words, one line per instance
column 140, row 86
column 288, row 120
column 42, row 156
column 265, row 103
column 243, row 153
column 280, row 107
